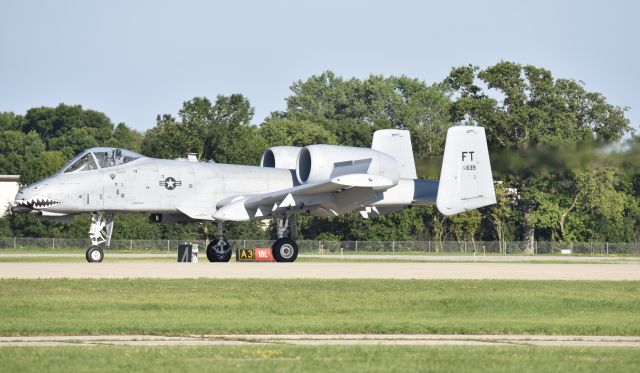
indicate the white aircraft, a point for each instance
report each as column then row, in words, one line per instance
column 324, row 180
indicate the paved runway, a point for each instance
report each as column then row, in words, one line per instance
column 323, row 270
column 381, row 257
column 324, row 339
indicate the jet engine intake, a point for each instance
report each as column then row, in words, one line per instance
column 321, row 162
column 280, row 157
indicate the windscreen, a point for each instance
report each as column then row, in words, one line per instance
column 85, row 163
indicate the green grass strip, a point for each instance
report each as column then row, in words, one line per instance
column 206, row 306
column 319, row 359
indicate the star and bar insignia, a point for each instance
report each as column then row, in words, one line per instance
column 170, row 183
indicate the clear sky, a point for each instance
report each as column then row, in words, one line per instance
column 135, row 59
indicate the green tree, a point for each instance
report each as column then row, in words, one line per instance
column 70, row 129
column 524, row 105
column 379, row 102
column 169, row 140
column 295, row 133
column 219, row 131
column 464, row 226
column 124, row 137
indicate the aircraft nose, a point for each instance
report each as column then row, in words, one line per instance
column 20, row 196
column 20, row 204
column 33, row 198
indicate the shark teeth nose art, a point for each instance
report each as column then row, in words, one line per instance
column 38, row 202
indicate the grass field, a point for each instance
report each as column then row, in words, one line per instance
column 35, row 307
column 319, row 359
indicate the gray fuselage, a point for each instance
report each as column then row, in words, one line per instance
column 156, row 186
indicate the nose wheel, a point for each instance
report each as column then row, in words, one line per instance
column 94, row 254
column 100, row 234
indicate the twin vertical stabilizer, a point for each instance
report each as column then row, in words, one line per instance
column 396, row 143
column 466, row 182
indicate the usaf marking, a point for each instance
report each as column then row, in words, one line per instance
column 170, row 183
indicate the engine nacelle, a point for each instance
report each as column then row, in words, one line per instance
column 280, row 157
column 321, row 162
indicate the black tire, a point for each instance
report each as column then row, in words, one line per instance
column 94, row 254
column 219, row 251
column 285, row 250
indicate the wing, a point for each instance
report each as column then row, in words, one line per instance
column 324, row 198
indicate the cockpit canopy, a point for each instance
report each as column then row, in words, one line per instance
column 97, row 158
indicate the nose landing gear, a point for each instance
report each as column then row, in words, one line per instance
column 94, row 254
column 99, row 233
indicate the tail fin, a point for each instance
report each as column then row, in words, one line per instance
column 466, row 182
column 396, row 143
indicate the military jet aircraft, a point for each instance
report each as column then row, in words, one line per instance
column 324, row 180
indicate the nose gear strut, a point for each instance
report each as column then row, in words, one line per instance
column 100, row 234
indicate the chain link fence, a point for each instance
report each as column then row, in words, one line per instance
column 352, row 247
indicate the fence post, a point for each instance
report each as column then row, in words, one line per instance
column 53, row 243
column 167, row 245
column 130, row 244
column 393, row 246
column 356, row 245
column 607, row 249
column 14, row 243
column 465, row 246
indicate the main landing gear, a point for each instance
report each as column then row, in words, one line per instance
column 285, row 249
column 219, row 250
column 99, row 233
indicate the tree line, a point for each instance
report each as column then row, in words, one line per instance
column 565, row 160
